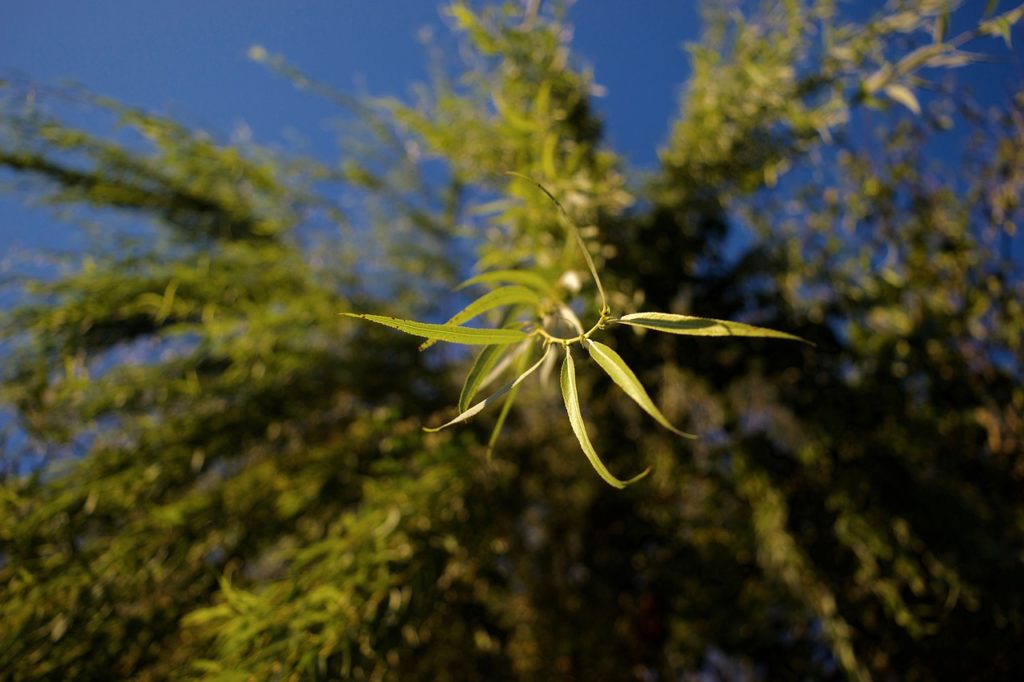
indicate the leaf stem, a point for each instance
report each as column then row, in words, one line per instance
column 565, row 342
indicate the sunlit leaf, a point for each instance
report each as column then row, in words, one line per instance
column 1002, row 25
column 616, row 368
column 687, row 325
column 546, row 370
column 489, row 400
column 941, row 25
column 502, row 296
column 446, row 332
column 572, row 406
column 524, row 277
column 903, row 95
column 875, row 81
column 574, row 232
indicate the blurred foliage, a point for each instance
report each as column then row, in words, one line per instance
column 218, row 477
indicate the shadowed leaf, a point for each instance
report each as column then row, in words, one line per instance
column 482, row 366
column 494, row 397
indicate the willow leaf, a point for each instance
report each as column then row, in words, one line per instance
column 526, row 278
column 701, row 326
column 446, row 332
column 502, row 296
column 482, row 366
column 489, row 400
column 574, row 232
column 499, row 423
column 506, row 405
column 572, row 407
column 904, row 95
column 616, row 368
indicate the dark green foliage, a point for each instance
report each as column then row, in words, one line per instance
column 236, row 481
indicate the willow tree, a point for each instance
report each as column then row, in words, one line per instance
column 223, row 477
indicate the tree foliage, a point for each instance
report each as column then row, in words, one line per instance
column 227, row 479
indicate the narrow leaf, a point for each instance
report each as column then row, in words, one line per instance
column 546, row 369
column 903, row 95
column 941, row 25
column 526, row 278
column 499, row 423
column 613, row 364
column 482, row 366
column 687, row 325
column 502, row 365
column 574, row 232
column 506, row 405
column 1002, row 25
column 446, row 332
column 572, row 407
column 501, row 296
column 489, row 400
column 875, row 81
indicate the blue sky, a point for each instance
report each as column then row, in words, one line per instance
column 188, row 58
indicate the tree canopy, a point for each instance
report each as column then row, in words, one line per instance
column 218, row 475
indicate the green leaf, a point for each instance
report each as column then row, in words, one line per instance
column 879, row 78
column 574, row 232
column 1002, row 25
column 613, row 364
column 524, row 277
column 501, row 296
column 489, row 400
column 510, row 399
column 903, row 95
column 941, row 25
column 687, row 325
column 499, row 423
column 482, row 366
column 446, row 332
column 572, row 407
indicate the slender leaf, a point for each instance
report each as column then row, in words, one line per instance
column 941, row 25
column 506, row 405
column 489, row 400
column 613, row 364
column 1002, row 25
column 904, row 95
column 481, row 368
column 502, row 365
column 572, row 407
column 687, row 325
column 574, row 232
column 526, row 278
column 502, row 296
column 546, row 369
column 499, row 423
column 446, row 332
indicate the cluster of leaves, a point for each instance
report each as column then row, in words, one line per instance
column 234, row 485
column 542, row 309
